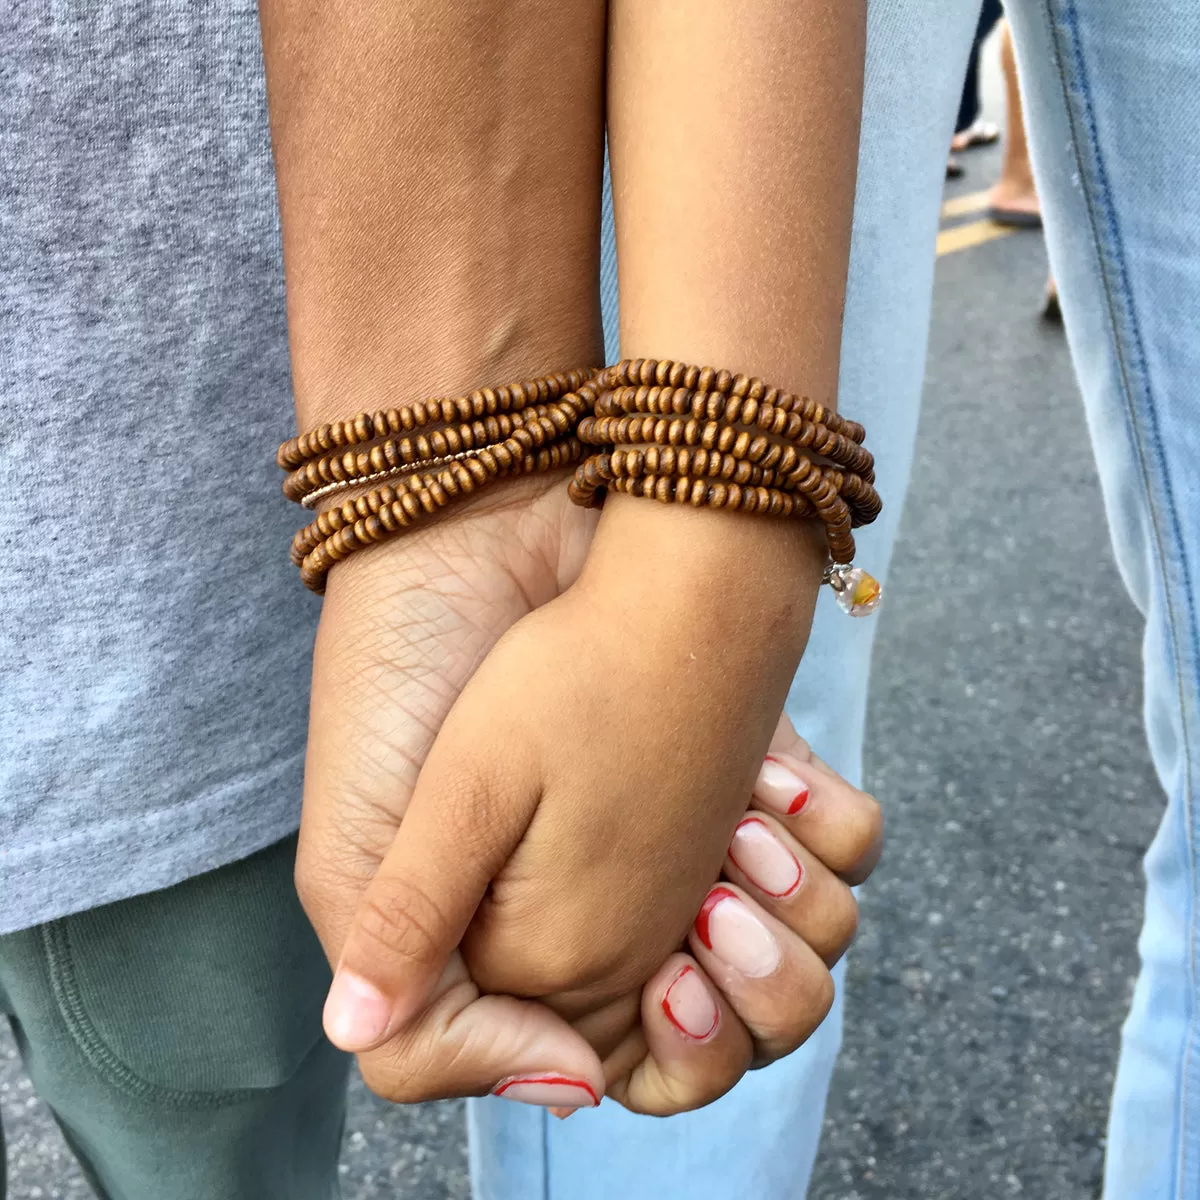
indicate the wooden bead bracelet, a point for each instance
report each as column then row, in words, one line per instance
column 661, row 430
column 489, row 434
column 482, row 402
column 691, row 435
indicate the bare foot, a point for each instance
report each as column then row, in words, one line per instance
column 1015, row 203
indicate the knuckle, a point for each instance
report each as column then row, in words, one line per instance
column 872, row 821
column 862, row 836
column 379, row 1072
column 402, row 922
column 402, row 1071
column 309, row 879
column 520, row 946
column 818, row 995
column 842, row 925
column 847, row 921
column 824, row 992
column 687, row 1095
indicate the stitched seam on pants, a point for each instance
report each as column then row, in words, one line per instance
column 97, row 1052
column 1131, row 362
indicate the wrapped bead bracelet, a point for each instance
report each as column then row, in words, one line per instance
column 656, row 429
column 692, row 435
column 446, row 450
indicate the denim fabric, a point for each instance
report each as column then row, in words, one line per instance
column 1113, row 99
column 1113, row 92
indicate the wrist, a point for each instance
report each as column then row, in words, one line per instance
column 748, row 583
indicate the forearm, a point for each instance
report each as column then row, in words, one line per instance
column 438, row 168
column 734, row 144
column 733, row 134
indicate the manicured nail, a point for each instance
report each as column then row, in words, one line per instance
column 780, row 788
column 550, row 1091
column 690, row 1007
column 356, row 1012
column 735, row 935
column 764, row 859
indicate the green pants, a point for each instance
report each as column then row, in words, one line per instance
column 177, row 1039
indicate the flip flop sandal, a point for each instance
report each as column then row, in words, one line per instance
column 979, row 133
column 1014, row 218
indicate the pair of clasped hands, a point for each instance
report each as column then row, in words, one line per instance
column 556, row 841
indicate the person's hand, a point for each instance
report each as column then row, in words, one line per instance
column 753, row 988
column 402, row 630
column 606, row 746
column 579, row 797
column 464, row 582
column 756, row 984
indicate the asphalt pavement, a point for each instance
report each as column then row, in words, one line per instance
column 987, row 987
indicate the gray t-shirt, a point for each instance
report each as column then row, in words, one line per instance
column 154, row 639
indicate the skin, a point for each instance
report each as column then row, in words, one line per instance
column 439, row 193
column 1015, row 190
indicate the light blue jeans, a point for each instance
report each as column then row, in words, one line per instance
column 1113, row 105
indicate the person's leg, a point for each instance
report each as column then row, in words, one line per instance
column 177, row 1038
column 761, row 1139
column 968, row 105
column 1108, row 87
column 1014, row 200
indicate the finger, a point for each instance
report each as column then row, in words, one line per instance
column 465, row 1044
column 771, row 979
column 690, row 1050
column 841, row 824
column 415, row 910
column 607, row 1027
column 793, row 885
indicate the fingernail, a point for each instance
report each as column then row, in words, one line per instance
column 780, row 788
column 690, row 1007
column 735, row 935
column 764, row 859
column 356, row 1012
column 550, row 1091
column 563, row 1113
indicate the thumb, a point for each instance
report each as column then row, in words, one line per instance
column 454, row 838
column 464, row 1044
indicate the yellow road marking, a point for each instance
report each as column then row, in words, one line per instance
column 960, row 206
column 963, row 237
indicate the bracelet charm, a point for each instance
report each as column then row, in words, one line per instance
column 857, row 593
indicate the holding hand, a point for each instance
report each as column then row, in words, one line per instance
column 752, row 986
column 576, row 843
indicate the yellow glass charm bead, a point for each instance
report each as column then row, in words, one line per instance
column 857, row 592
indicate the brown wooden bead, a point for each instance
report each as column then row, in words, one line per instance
column 756, row 410
column 389, row 511
column 366, row 427
column 542, row 422
column 715, row 439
